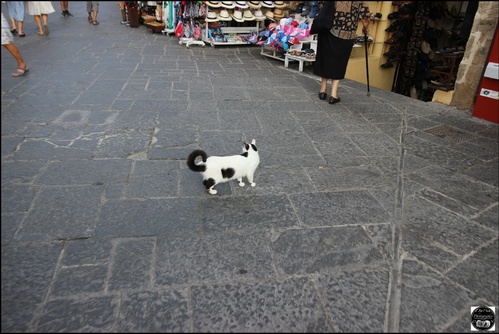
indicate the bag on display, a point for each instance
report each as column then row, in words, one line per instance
column 323, row 22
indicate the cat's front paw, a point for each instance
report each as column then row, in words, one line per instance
column 253, row 184
column 242, row 184
column 212, row 191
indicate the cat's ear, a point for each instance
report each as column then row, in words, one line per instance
column 246, row 145
column 253, row 142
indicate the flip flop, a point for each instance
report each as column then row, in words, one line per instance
column 21, row 72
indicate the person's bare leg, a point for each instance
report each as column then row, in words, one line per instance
column 323, row 85
column 64, row 6
column 13, row 23
column 20, row 25
column 45, row 19
column 95, row 15
column 14, row 51
column 334, row 88
column 38, row 22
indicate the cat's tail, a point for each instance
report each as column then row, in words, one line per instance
column 191, row 160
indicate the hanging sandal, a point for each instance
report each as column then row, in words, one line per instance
column 21, row 72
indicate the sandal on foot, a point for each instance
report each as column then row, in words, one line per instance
column 90, row 19
column 21, row 72
column 13, row 31
column 22, row 35
column 45, row 29
column 96, row 23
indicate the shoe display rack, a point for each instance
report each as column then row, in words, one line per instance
column 444, row 75
column 298, row 54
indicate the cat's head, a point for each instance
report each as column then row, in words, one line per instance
column 250, row 147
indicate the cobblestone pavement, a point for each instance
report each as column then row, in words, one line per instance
column 377, row 214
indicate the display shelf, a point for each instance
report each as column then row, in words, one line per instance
column 446, row 75
column 188, row 41
column 271, row 52
column 226, row 28
column 231, row 30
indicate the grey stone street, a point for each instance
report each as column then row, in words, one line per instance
column 376, row 214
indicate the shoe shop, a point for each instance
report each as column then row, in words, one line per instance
column 428, row 50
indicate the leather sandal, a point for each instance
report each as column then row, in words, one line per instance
column 21, row 72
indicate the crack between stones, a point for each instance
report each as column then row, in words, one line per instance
column 394, row 300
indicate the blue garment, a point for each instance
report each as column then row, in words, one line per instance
column 16, row 10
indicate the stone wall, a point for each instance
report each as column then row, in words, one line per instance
column 476, row 54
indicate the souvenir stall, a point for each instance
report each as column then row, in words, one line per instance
column 190, row 16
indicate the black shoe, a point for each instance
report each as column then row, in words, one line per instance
column 322, row 95
column 332, row 100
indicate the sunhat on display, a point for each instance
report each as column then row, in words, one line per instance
column 267, row 4
column 211, row 17
column 280, row 4
column 248, row 15
column 214, row 4
column 238, row 16
column 254, row 4
column 228, row 4
column 224, row 15
column 259, row 15
column 278, row 14
column 269, row 15
column 241, row 4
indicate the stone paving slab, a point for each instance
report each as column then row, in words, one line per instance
column 378, row 214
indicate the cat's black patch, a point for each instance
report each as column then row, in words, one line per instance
column 246, row 146
column 254, row 147
column 209, row 183
column 228, row 173
column 245, row 154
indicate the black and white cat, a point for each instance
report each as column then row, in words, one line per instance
column 216, row 169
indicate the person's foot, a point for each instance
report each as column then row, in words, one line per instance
column 322, row 95
column 22, row 34
column 68, row 13
column 21, row 71
column 45, row 29
column 333, row 100
column 90, row 19
column 13, row 31
column 63, row 14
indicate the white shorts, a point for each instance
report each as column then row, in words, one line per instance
column 7, row 37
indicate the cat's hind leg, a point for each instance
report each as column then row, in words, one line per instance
column 209, row 184
column 241, row 183
column 250, row 179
